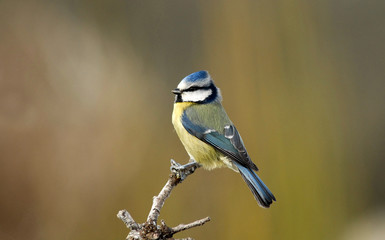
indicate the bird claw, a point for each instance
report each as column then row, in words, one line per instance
column 182, row 171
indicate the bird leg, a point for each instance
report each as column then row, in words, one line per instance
column 182, row 171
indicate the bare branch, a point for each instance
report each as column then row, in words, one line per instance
column 159, row 200
column 179, row 173
column 127, row 219
column 182, row 227
column 150, row 229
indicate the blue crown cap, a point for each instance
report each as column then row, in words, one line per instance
column 193, row 77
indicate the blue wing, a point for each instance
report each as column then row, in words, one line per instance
column 231, row 145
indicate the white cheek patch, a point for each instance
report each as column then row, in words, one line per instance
column 197, row 95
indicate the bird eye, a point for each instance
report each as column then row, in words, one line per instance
column 190, row 89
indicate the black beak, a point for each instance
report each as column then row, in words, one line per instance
column 176, row 91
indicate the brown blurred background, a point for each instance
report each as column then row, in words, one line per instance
column 85, row 115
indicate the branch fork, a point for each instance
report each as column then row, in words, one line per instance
column 150, row 230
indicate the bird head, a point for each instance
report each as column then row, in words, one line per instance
column 197, row 87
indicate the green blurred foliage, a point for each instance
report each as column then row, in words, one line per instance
column 85, row 115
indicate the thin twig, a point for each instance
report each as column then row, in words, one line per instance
column 127, row 219
column 159, row 200
column 179, row 173
column 182, row 227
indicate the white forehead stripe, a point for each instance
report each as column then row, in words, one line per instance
column 197, row 95
column 184, row 84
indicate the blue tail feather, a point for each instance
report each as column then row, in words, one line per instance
column 260, row 191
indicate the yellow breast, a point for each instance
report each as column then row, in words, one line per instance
column 198, row 150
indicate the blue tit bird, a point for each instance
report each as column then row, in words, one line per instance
column 209, row 136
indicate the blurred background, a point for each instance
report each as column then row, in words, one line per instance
column 85, row 116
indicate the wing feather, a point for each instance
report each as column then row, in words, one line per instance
column 230, row 143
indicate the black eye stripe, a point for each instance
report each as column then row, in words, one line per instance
column 195, row 88
column 213, row 96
